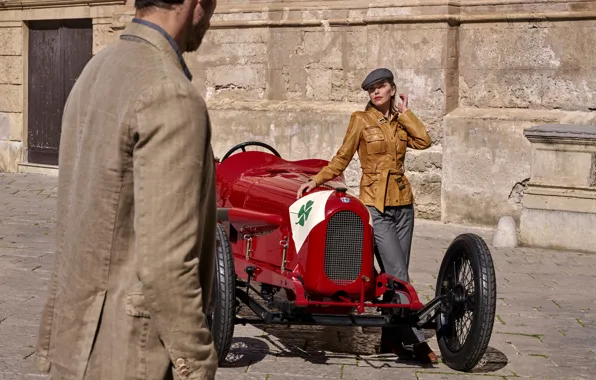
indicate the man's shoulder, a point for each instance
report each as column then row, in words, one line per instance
column 146, row 72
column 168, row 87
column 153, row 67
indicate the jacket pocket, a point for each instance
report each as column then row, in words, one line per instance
column 135, row 306
column 368, row 180
column 367, row 187
column 375, row 143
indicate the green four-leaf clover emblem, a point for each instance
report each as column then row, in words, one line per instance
column 304, row 212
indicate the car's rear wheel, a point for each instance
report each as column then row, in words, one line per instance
column 466, row 318
column 221, row 313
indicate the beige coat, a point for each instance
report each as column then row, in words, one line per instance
column 381, row 145
column 135, row 224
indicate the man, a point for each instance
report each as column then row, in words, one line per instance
column 136, row 210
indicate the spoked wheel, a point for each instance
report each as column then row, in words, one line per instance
column 221, row 313
column 465, row 320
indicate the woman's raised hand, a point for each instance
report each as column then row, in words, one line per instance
column 403, row 106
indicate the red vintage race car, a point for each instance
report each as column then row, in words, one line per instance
column 312, row 261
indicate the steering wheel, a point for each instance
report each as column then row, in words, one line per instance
column 249, row 143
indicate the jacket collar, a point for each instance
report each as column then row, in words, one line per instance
column 381, row 119
column 159, row 38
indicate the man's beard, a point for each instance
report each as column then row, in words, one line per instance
column 195, row 39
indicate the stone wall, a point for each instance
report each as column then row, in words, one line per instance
column 11, row 95
column 14, row 17
column 513, row 76
column 477, row 71
column 289, row 75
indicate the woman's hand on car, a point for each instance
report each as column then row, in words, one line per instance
column 308, row 186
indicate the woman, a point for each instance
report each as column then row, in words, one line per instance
column 381, row 134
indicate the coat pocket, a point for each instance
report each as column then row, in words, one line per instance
column 368, row 180
column 135, row 306
column 367, row 188
column 375, row 143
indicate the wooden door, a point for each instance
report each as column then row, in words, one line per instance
column 58, row 52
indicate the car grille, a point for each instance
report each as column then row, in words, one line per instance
column 343, row 247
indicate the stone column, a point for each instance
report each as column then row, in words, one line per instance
column 559, row 204
column 11, row 95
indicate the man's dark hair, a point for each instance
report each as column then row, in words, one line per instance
column 144, row 4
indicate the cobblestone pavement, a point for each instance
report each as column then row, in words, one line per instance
column 545, row 326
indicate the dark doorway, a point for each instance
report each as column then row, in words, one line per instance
column 58, row 52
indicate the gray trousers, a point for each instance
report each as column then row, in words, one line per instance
column 393, row 231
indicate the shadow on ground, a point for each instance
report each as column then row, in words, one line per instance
column 492, row 361
column 333, row 345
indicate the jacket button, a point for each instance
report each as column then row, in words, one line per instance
column 180, row 362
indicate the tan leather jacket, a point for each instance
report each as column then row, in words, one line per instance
column 381, row 146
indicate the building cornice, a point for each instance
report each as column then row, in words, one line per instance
column 34, row 4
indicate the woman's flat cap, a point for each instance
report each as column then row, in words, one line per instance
column 377, row 75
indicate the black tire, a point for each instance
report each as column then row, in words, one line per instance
column 465, row 354
column 223, row 299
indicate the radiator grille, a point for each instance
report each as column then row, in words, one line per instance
column 343, row 247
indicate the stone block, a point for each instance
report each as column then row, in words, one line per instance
column 487, row 162
column 528, row 65
column 318, row 84
column 10, row 156
column 484, row 156
column 233, row 36
column 508, row 47
column 103, row 35
column 414, row 47
column 433, row 123
column 236, row 82
column 506, row 234
column 355, row 56
column 547, row 89
column 424, row 160
column 563, row 155
column 324, row 49
column 11, row 41
column 425, row 88
column 426, row 187
column 561, row 230
column 220, row 51
column 11, row 98
column 558, row 167
column 11, row 69
column 11, row 126
column 559, row 207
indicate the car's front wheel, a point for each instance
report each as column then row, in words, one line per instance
column 221, row 313
column 466, row 318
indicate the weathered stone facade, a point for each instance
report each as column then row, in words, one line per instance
column 559, row 206
column 477, row 71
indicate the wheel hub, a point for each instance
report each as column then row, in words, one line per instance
column 457, row 300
